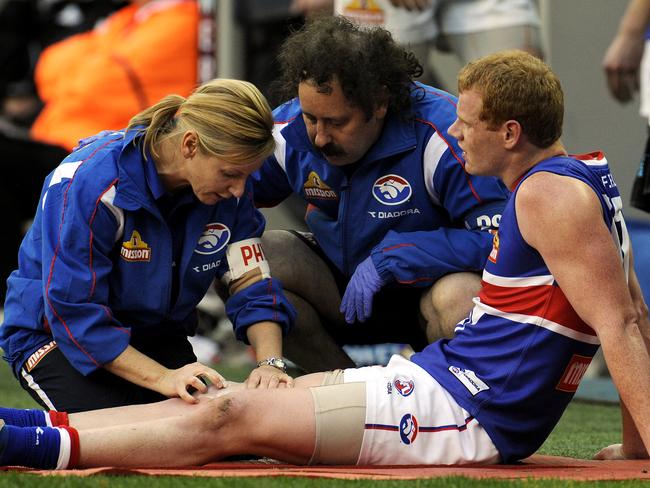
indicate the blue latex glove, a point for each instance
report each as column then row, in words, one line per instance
column 357, row 299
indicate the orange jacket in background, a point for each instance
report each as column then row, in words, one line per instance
column 99, row 79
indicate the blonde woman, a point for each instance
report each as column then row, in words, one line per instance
column 131, row 229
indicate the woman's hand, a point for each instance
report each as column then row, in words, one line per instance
column 266, row 339
column 184, row 381
column 268, row 377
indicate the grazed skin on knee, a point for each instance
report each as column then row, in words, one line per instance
column 253, row 421
column 224, row 406
column 209, row 424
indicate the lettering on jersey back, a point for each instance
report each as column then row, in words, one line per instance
column 608, row 181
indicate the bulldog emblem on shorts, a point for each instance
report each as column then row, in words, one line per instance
column 408, row 429
column 404, row 386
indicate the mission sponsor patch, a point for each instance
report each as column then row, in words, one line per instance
column 135, row 249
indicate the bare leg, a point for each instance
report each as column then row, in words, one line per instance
column 448, row 302
column 109, row 417
column 311, row 288
column 274, row 423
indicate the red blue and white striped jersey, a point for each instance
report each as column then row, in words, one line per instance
column 518, row 358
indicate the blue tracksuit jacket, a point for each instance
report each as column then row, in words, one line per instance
column 96, row 266
column 410, row 204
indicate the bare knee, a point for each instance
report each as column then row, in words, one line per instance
column 302, row 271
column 210, row 424
column 278, row 245
column 454, row 289
column 448, row 302
column 272, row 239
column 212, row 413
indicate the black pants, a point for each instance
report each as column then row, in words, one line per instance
column 54, row 382
column 395, row 315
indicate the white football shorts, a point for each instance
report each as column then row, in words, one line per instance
column 411, row 419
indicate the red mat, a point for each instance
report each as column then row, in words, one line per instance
column 537, row 466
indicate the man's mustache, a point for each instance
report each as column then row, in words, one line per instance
column 331, row 150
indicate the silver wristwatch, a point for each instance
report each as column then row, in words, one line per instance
column 275, row 362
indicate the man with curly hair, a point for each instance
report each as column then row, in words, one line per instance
column 558, row 284
column 397, row 227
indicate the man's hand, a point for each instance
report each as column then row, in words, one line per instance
column 357, row 299
column 621, row 65
column 613, row 452
column 182, row 382
column 268, row 377
column 618, row 452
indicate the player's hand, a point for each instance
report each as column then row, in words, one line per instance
column 617, row 452
column 268, row 377
column 356, row 303
column 184, row 381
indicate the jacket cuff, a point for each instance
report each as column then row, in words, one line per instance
column 382, row 264
column 260, row 302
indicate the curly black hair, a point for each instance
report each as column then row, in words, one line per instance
column 370, row 66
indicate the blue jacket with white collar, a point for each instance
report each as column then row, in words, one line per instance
column 97, row 264
column 409, row 203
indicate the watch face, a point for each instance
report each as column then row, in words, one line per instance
column 275, row 362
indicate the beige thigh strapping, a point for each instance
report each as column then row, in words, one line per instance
column 340, row 410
